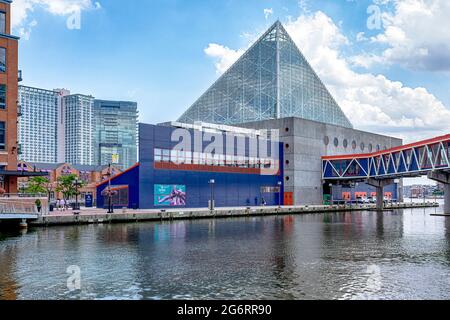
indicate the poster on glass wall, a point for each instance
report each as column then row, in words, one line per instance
column 170, row 195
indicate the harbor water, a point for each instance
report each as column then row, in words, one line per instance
column 403, row 254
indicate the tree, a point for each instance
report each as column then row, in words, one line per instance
column 66, row 185
column 37, row 185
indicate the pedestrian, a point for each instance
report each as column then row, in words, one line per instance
column 58, row 204
column 63, row 204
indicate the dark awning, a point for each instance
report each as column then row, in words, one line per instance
column 10, row 173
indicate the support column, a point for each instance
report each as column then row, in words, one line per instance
column 23, row 224
column 447, row 198
column 380, row 197
column 443, row 178
column 379, row 185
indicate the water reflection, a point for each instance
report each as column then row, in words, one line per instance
column 403, row 254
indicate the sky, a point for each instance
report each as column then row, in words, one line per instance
column 386, row 62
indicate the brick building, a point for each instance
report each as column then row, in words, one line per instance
column 90, row 175
column 9, row 109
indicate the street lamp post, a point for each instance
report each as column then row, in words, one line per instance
column 279, row 193
column 110, row 206
column 77, row 184
column 212, row 204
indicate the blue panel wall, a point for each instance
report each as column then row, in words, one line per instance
column 230, row 189
column 129, row 178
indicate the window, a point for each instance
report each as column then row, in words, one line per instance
column 2, row 135
column 158, row 155
column 166, row 155
column 336, row 142
column 2, row 96
column 2, row 59
column 2, row 22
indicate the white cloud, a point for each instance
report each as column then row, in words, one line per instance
column 372, row 102
column 22, row 9
column 224, row 55
column 361, row 37
column 268, row 13
column 416, row 34
column 25, row 31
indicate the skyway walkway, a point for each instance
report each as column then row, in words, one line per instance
column 428, row 157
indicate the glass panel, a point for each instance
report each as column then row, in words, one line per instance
column 2, row 59
column 249, row 91
column 166, row 155
column 2, row 96
column 2, row 135
column 2, row 22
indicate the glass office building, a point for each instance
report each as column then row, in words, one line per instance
column 271, row 80
column 37, row 128
column 115, row 133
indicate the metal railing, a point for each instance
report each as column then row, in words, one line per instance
column 17, row 208
column 23, row 204
column 23, row 195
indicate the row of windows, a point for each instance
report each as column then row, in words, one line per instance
column 2, row 50
column 354, row 145
column 187, row 157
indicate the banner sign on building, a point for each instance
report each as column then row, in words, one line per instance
column 169, row 195
column 115, row 159
column 88, row 200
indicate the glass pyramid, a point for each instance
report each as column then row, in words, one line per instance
column 271, row 80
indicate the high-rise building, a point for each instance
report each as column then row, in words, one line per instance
column 78, row 125
column 59, row 127
column 272, row 80
column 9, row 76
column 38, row 126
column 115, row 133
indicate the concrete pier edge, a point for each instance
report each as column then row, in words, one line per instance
column 135, row 216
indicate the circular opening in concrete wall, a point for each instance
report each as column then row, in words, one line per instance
column 354, row 145
column 345, row 143
column 287, row 178
column 370, row 147
column 287, row 129
column 363, row 146
column 326, row 140
column 336, row 142
column 287, row 162
column 287, row 145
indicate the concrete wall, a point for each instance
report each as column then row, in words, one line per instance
column 304, row 145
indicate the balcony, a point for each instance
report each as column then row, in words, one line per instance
column 19, row 79
column 19, row 110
